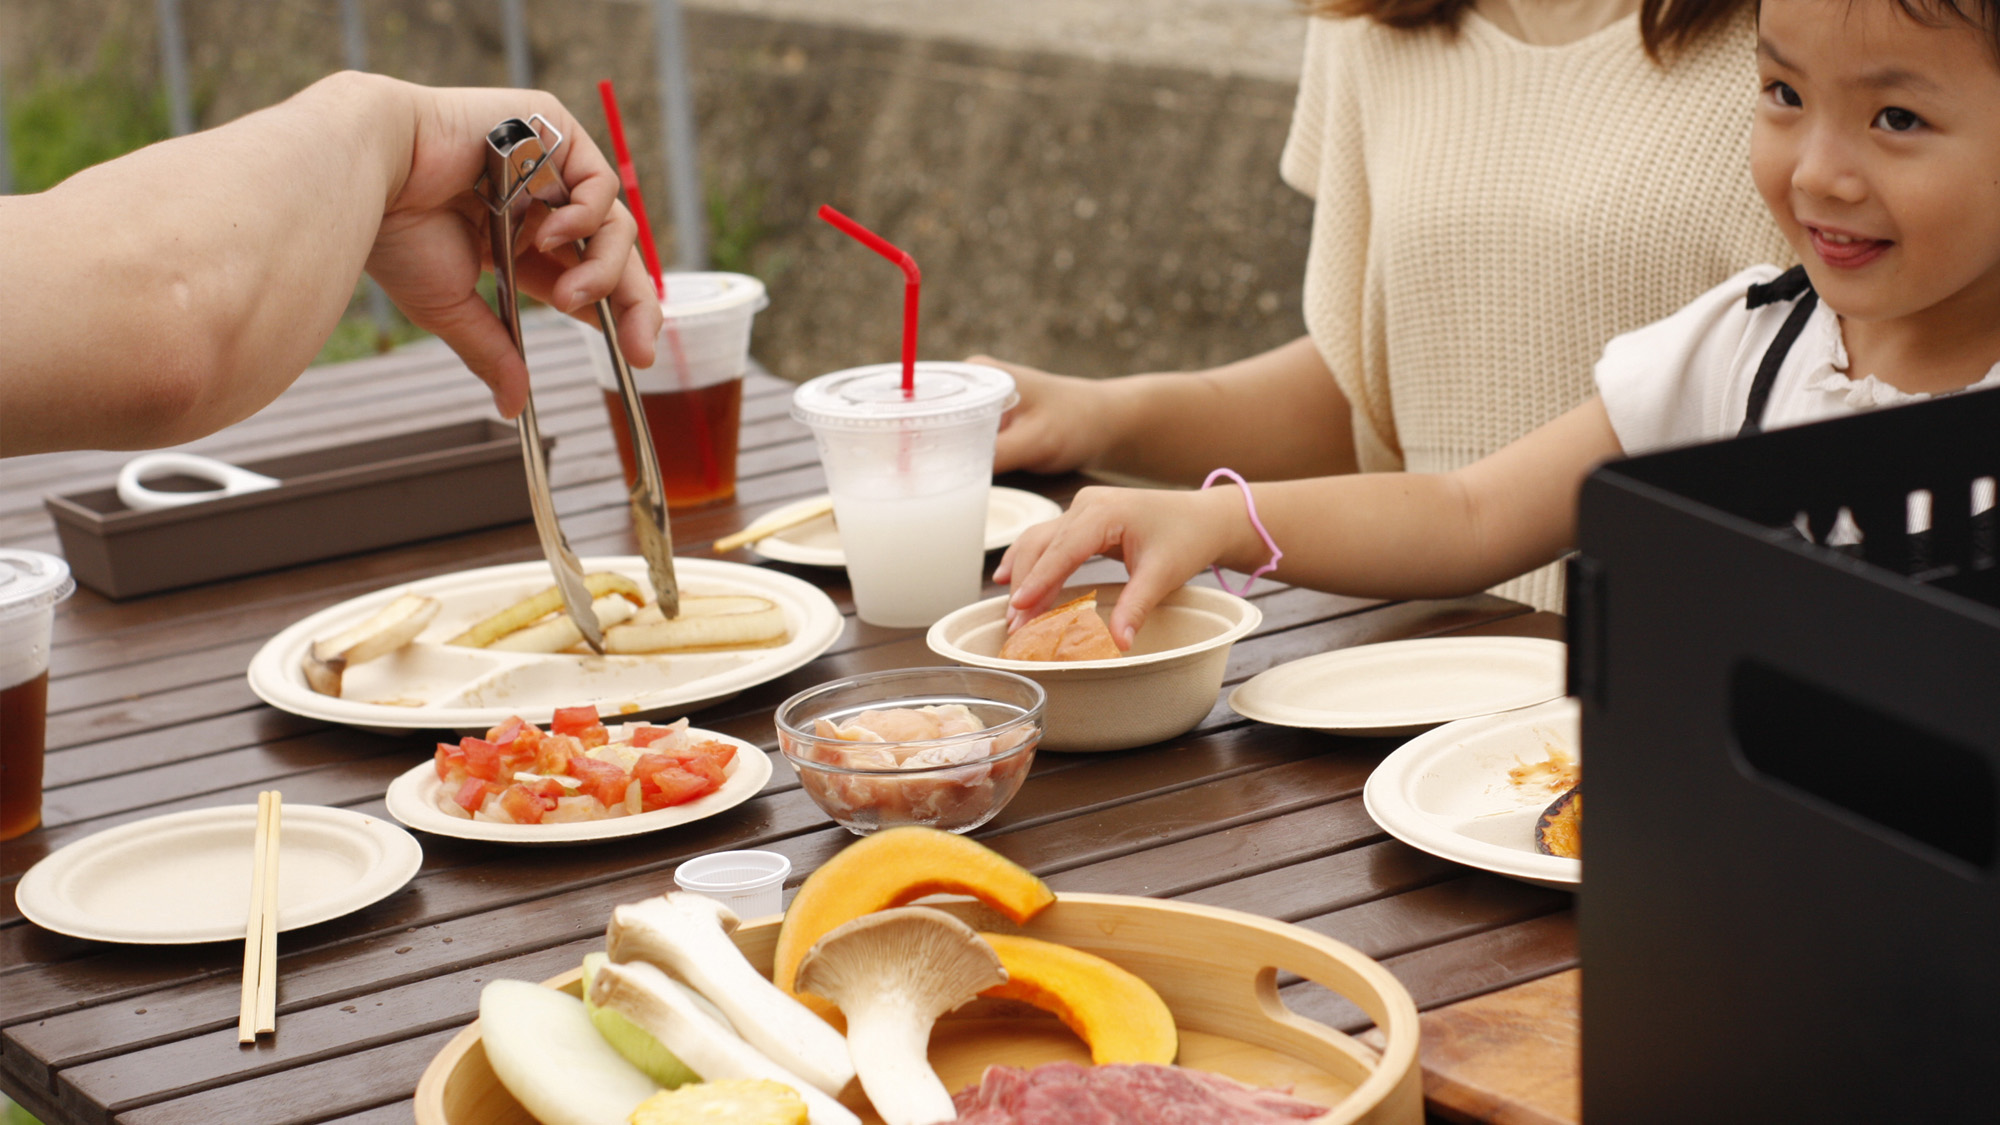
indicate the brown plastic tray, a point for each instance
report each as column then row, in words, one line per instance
column 329, row 502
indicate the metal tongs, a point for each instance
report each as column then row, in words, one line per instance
column 519, row 173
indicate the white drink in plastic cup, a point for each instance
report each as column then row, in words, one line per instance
column 31, row 583
column 909, row 478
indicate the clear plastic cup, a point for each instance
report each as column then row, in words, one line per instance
column 693, row 392
column 31, row 585
column 909, row 477
column 751, row 883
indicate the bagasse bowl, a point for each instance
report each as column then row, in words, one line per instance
column 1216, row 969
column 1163, row 687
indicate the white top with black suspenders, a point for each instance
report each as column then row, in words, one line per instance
column 1756, row 352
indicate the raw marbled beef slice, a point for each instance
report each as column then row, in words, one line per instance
column 1132, row 1094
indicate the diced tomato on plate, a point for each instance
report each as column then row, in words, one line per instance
column 602, row 780
column 472, row 793
column 450, row 764
column 644, row 735
column 508, row 731
column 672, row 786
column 482, row 758
column 581, row 723
column 524, row 804
column 665, row 782
column 479, row 772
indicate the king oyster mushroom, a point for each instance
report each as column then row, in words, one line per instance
column 387, row 630
column 688, row 935
column 893, row 973
column 666, row 1009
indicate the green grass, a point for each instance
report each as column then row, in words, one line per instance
column 737, row 236
column 68, row 122
column 357, row 335
column 11, row 1114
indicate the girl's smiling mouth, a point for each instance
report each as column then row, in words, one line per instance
column 1845, row 249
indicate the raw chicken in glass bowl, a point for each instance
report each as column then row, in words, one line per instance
column 942, row 747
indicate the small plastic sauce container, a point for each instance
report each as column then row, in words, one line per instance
column 751, row 883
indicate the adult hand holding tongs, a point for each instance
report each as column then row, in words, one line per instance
column 522, row 170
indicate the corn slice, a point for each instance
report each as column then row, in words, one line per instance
column 732, row 1101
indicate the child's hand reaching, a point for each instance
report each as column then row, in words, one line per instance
column 1163, row 537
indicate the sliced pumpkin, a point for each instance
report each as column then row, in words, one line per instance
column 895, row 867
column 1115, row 1012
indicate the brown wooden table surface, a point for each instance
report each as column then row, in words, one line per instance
column 150, row 713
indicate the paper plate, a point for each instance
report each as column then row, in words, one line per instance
column 1400, row 687
column 185, row 877
column 413, row 799
column 816, row 542
column 430, row 685
column 1447, row 792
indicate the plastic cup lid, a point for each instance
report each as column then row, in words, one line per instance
column 700, row 294
column 872, row 397
column 31, row 581
column 732, row 871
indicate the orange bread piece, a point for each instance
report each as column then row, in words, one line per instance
column 1070, row 631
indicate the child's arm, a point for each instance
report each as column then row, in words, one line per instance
column 1391, row 535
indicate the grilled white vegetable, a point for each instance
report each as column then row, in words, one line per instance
column 549, row 1056
column 688, row 935
column 560, row 632
column 387, row 630
column 665, row 1009
column 527, row 611
column 722, row 622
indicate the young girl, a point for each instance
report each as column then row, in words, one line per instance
column 1876, row 147
column 1475, row 167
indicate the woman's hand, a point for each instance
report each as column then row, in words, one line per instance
column 1163, row 537
column 432, row 242
column 1059, row 425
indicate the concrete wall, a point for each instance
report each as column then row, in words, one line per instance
column 1092, row 188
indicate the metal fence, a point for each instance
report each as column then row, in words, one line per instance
column 677, row 110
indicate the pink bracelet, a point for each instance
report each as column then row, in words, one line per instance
column 1250, row 504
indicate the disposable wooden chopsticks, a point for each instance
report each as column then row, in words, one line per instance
column 767, row 527
column 259, row 1010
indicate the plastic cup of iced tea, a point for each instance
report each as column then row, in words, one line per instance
column 909, row 474
column 693, row 392
column 31, row 584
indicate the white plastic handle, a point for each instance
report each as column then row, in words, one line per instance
column 231, row 481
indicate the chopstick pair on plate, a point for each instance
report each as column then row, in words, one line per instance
column 767, row 527
column 259, row 1011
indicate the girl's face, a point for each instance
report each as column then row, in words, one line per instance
column 1877, row 148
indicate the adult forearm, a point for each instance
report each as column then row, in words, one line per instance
column 1274, row 416
column 179, row 288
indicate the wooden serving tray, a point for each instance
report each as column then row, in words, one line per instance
column 1216, row 969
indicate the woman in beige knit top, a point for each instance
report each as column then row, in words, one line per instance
column 1501, row 186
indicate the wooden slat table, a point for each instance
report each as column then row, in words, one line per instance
column 150, row 714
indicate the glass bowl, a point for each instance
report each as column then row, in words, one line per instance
column 951, row 767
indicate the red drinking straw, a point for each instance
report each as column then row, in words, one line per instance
column 912, row 286
column 629, row 177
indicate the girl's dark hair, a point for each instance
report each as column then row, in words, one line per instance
column 1983, row 15
column 1665, row 26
